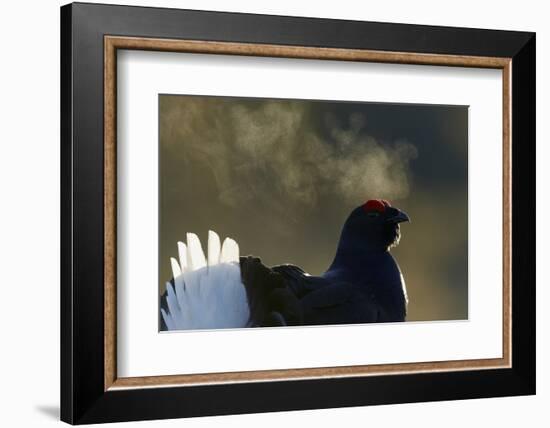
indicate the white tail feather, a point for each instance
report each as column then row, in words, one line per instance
column 195, row 255
column 182, row 255
column 213, row 248
column 176, row 270
column 230, row 251
column 206, row 293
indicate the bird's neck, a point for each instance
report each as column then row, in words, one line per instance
column 354, row 257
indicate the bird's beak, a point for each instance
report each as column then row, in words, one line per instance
column 399, row 217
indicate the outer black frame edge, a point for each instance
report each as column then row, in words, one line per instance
column 301, row 31
column 524, row 222
column 82, row 397
column 66, row 369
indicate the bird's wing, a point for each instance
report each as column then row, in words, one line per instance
column 340, row 303
column 329, row 301
column 271, row 301
column 300, row 282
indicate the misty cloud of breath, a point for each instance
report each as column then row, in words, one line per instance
column 274, row 150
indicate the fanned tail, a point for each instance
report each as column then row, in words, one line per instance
column 205, row 293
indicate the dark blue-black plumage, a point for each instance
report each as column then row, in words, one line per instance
column 362, row 285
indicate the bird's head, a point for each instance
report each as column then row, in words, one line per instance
column 374, row 225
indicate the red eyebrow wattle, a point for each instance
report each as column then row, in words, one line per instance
column 375, row 205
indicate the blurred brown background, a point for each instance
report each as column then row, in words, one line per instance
column 281, row 176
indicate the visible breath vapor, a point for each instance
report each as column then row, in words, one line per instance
column 272, row 150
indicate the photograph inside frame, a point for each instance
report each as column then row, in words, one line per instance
column 289, row 212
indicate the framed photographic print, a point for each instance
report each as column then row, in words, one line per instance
column 264, row 213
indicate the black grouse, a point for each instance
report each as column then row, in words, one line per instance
column 363, row 284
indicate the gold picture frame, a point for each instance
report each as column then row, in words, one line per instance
column 114, row 43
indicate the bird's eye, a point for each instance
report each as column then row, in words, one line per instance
column 373, row 214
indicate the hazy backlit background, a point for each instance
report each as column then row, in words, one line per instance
column 281, row 177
